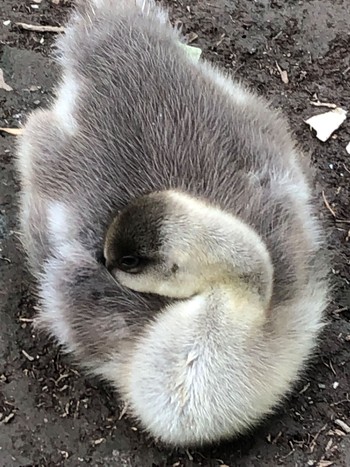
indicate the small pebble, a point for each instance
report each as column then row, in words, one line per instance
column 98, row 441
column 34, row 88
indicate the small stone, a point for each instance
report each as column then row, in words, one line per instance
column 98, row 441
column 34, row 88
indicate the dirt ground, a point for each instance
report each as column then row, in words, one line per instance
column 50, row 414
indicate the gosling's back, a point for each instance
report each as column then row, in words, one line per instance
column 135, row 115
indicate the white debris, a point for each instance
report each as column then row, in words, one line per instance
column 348, row 148
column 3, row 85
column 335, row 385
column 326, row 123
column 6, row 23
column 323, row 104
column 343, row 425
column 283, row 74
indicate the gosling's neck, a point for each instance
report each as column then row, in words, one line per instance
column 227, row 253
column 199, row 248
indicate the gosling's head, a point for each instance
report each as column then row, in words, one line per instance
column 150, row 246
column 172, row 244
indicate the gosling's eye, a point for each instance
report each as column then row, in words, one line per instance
column 129, row 263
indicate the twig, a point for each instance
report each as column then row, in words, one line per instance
column 7, row 260
column 323, row 104
column 328, row 205
column 7, row 419
column 313, row 442
column 339, row 310
column 332, row 368
column 342, row 221
column 123, row 412
column 40, row 28
column 346, row 168
column 341, row 402
column 29, row 357
column 12, row 131
column 344, row 426
column 305, row 388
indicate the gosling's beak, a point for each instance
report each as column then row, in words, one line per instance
column 111, row 268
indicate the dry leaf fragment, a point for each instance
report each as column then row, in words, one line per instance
column 283, row 74
column 40, row 28
column 325, row 124
column 12, row 131
column 191, row 37
column 3, row 85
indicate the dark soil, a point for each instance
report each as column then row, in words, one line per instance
column 50, row 414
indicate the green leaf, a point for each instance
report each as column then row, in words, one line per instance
column 193, row 52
